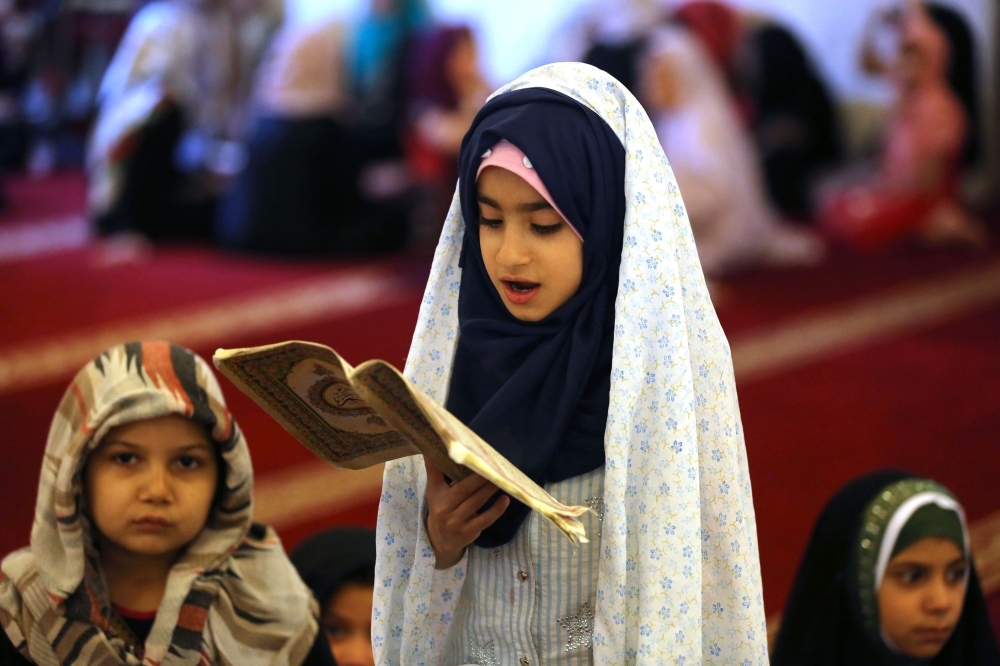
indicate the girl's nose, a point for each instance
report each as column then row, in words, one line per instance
column 513, row 248
column 156, row 485
column 938, row 598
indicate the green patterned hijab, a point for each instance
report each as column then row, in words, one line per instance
column 903, row 513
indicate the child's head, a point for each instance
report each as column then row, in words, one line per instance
column 141, row 456
column 533, row 256
column 911, row 567
column 145, row 502
column 887, row 578
column 541, row 192
column 338, row 565
column 149, row 486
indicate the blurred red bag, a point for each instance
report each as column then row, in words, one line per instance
column 868, row 217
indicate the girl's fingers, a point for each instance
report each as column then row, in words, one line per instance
column 444, row 499
column 488, row 517
column 435, row 477
column 468, row 508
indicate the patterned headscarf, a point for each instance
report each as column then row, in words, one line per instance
column 233, row 596
column 679, row 576
column 901, row 514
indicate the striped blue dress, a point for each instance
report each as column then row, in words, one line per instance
column 531, row 601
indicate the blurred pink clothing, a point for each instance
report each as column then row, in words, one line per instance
column 927, row 126
column 919, row 168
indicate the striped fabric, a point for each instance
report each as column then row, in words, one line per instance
column 533, row 597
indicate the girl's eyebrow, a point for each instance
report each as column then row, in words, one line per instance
column 130, row 445
column 525, row 207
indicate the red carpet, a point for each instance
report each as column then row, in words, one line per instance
column 925, row 400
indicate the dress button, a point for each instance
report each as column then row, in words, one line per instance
column 522, row 576
column 524, row 661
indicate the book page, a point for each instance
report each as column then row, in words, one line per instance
column 305, row 387
column 400, row 402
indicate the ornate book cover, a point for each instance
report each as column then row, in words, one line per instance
column 358, row 417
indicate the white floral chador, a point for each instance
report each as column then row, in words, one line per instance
column 679, row 576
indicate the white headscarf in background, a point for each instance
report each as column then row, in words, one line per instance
column 679, row 577
column 716, row 164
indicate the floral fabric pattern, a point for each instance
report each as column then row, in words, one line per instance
column 679, row 579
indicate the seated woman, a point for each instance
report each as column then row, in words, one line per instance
column 144, row 549
column 887, row 580
column 338, row 565
column 445, row 89
column 300, row 192
column 780, row 95
column 916, row 188
column 714, row 161
column 172, row 109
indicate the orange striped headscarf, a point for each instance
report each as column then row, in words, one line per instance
column 232, row 597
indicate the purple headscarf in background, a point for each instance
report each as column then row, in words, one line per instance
column 426, row 74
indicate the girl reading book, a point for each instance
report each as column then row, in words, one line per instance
column 143, row 550
column 567, row 322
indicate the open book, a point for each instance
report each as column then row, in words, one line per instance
column 358, row 417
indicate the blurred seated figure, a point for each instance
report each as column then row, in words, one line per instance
column 338, row 565
column 445, row 90
column 780, row 95
column 713, row 159
column 887, row 579
column 300, row 191
column 916, row 189
column 608, row 34
column 376, row 48
column 173, row 105
column 962, row 66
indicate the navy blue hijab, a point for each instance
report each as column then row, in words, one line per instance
column 538, row 391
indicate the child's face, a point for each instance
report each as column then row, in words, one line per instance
column 921, row 597
column 150, row 484
column 534, row 259
column 347, row 623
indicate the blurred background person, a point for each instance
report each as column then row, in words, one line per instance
column 173, row 106
column 916, row 190
column 780, row 96
column 301, row 190
column 338, row 565
column 445, row 89
column 714, row 161
column 887, row 579
column 610, row 35
column 376, row 52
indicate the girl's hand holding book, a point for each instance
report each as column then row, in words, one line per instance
column 453, row 521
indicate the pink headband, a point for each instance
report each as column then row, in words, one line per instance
column 508, row 156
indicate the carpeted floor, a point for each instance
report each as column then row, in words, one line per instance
column 913, row 383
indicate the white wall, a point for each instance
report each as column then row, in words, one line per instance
column 517, row 35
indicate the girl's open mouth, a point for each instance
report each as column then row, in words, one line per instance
column 520, row 292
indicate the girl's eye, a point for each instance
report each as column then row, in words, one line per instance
column 333, row 630
column 489, row 223
column 910, row 576
column 955, row 575
column 189, row 462
column 546, row 229
column 124, row 458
